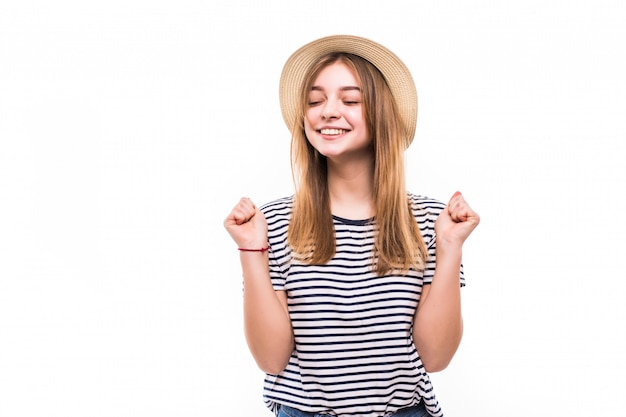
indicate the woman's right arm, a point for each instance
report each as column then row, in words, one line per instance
column 267, row 324
column 266, row 319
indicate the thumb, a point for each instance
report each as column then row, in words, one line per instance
column 242, row 213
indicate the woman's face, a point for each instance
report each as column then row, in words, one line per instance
column 334, row 122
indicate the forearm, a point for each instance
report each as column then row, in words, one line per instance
column 438, row 324
column 266, row 321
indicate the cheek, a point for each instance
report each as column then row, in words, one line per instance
column 355, row 116
column 312, row 114
column 307, row 125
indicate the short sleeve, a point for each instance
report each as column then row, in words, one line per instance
column 426, row 211
column 277, row 276
column 278, row 213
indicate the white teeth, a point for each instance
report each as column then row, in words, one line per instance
column 333, row 131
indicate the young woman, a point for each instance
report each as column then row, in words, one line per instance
column 351, row 285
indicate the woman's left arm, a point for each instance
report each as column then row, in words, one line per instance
column 438, row 322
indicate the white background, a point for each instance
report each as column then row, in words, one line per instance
column 128, row 129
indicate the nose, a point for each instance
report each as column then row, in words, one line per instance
column 330, row 110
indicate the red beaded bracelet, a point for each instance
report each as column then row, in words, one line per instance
column 265, row 249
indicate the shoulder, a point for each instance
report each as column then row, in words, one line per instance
column 425, row 211
column 425, row 208
column 280, row 204
column 278, row 214
column 277, row 210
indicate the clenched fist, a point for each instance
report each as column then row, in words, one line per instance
column 247, row 225
column 456, row 222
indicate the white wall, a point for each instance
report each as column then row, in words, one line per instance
column 128, row 129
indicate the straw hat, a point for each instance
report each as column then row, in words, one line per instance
column 393, row 69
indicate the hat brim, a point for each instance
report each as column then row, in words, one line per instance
column 392, row 68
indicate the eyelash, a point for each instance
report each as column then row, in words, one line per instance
column 347, row 102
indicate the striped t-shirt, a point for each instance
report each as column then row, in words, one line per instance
column 354, row 353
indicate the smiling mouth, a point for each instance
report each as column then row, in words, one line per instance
column 333, row 132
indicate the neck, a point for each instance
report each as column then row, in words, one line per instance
column 350, row 186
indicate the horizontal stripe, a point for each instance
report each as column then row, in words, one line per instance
column 354, row 352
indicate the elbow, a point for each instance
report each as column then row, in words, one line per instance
column 272, row 351
column 436, row 355
column 272, row 367
column 437, row 358
column 272, row 360
column 271, row 370
column 436, row 365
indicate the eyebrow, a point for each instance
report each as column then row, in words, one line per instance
column 347, row 88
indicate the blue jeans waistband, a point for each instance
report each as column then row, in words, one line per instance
column 414, row 411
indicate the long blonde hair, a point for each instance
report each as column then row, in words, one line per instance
column 398, row 242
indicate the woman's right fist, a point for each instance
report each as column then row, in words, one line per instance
column 247, row 225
